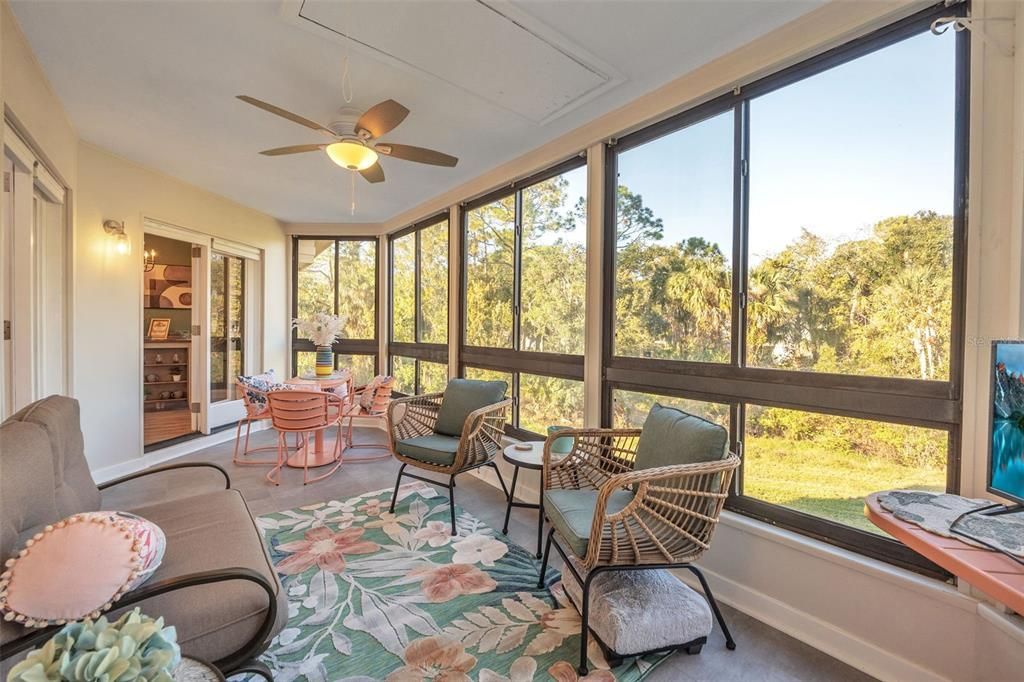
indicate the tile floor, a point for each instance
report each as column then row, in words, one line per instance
column 762, row 653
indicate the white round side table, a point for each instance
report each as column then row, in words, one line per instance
column 532, row 458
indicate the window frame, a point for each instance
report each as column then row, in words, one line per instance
column 343, row 346
column 513, row 360
column 914, row 402
column 416, row 350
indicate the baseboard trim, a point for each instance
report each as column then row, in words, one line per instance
column 163, row 455
column 820, row 634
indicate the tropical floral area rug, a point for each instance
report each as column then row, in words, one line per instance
column 394, row 597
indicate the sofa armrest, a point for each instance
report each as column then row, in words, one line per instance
column 164, row 469
column 252, row 648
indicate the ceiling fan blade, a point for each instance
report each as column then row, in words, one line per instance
column 381, row 118
column 294, row 149
column 408, row 152
column 373, row 174
column 284, row 113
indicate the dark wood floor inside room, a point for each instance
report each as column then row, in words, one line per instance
column 762, row 653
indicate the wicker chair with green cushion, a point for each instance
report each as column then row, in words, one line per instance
column 633, row 499
column 449, row 433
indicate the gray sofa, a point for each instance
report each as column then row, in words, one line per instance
column 216, row 584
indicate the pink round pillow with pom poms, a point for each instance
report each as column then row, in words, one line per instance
column 77, row 568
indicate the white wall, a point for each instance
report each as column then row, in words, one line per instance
column 105, row 316
column 27, row 94
column 108, row 288
column 995, row 266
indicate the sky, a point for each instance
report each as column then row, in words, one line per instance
column 1013, row 355
column 833, row 153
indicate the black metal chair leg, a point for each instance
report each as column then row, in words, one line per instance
column 544, row 561
column 501, row 480
column 585, row 626
column 451, row 502
column 729, row 642
column 540, row 516
column 511, row 496
column 398, row 482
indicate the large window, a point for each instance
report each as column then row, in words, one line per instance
column 524, row 295
column 419, row 307
column 850, row 258
column 337, row 276
column 673, row 245
column 786, row 260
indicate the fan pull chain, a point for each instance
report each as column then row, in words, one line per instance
column 352, row 176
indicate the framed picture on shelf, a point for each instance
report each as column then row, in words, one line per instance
column 159, row 327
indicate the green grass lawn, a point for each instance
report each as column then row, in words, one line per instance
column 813, row 479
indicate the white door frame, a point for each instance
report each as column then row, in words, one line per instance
column 207, row 415
column 199, row 346
column 40, row 333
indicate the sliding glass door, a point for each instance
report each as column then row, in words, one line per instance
column 227, row 325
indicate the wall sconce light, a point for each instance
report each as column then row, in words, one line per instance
column 115, row 230
column 148, row 260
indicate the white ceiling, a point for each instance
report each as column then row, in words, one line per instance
column 155, row 81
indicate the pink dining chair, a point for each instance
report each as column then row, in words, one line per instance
column 303, row 413
column 254, row 399
column 371, row 401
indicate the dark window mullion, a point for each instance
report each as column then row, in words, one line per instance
column 334, row 283
column 337, row 269
column 417, row 313
column 391, row 293
column 739, row 416
column 610, row 246
column 741, row 231
column 515, row 399
column 517, row 270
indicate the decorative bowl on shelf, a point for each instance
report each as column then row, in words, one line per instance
column 164, row 395
column 151, row 378
column 178, row 394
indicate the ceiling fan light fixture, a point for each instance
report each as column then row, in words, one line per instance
column 352, row 155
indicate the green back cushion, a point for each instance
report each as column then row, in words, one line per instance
column 463, row 396
column 671, row 436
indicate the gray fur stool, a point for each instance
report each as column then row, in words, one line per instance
column 638, row 612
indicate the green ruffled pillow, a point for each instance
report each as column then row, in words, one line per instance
column 134, row 647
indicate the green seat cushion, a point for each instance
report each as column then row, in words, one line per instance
column 463, row 396
column 670, row 436
column 572, row 512
column 433, row 449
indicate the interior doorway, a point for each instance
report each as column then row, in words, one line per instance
column 34, row 279
column 169, row 400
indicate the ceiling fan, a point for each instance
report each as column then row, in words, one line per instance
column 358, row 150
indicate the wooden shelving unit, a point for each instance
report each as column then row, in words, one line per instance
column 165, row 402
